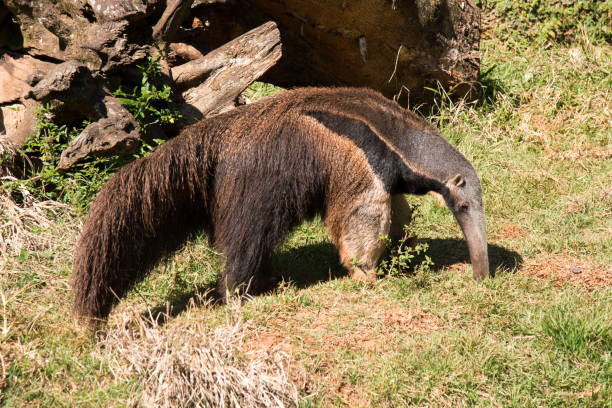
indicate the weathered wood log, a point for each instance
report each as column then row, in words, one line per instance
column 185, row 51
column 174, row 14
column 221, row 76
column 228, row 71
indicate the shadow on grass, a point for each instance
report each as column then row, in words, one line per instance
column 445, row 252
column 177, row 303
column 307, row 265
column 310, row 264
column 490, row 88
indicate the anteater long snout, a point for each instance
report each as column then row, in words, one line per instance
column 472, row 224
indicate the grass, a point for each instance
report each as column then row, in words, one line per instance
column 539, row 334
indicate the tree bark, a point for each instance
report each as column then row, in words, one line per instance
column 174, row 14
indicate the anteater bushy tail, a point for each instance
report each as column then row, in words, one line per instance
column 162, row 195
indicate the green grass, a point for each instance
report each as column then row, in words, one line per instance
column 536, row 335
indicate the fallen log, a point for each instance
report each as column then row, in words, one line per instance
column 224, row 73
column 116, row 132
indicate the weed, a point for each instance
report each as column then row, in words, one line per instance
column 403, row 255
column 148, row 104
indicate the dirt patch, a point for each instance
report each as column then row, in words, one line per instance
column 509, row 231
column 362, row 323
column 412, row 321
column 353, row 396
column 589, row 152
column 563, row 270
column 265, row 340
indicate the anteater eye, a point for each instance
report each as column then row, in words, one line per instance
column 463, row 207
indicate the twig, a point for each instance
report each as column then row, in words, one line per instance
column 396, row 60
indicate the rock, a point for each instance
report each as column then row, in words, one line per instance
column 17, row 122
column 116, row 132
column 575, row 269
column 17, row 75
column 16, row 72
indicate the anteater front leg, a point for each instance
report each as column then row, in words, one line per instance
column 401, row 215
column 357, row 228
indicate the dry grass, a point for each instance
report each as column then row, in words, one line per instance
column 33, row 227
column 195, row 366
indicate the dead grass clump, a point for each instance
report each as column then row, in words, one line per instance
column 197, row 366
column 33, row 226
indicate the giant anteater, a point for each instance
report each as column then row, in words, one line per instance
column 252, row 174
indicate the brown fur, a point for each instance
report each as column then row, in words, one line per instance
column 248, row 177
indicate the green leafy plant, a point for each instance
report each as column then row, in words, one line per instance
column 42, row 181
column 149, row 104
column 403, row 255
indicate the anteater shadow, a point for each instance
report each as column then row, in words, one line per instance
column 303, row 267
column 445, row 252
column 310, row 264
column 174, row 305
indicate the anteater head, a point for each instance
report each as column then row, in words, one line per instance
column 463, row 196
column 453, row 176
column 433, row 164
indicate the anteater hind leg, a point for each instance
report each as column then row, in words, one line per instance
column 247, row 244
column 243, row 266
column 358, row 235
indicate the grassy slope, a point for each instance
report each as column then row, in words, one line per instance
column 537, row 335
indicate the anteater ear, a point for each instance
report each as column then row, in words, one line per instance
column 457, row 181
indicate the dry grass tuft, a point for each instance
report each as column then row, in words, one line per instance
column 33, row 226
column 196, row 366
